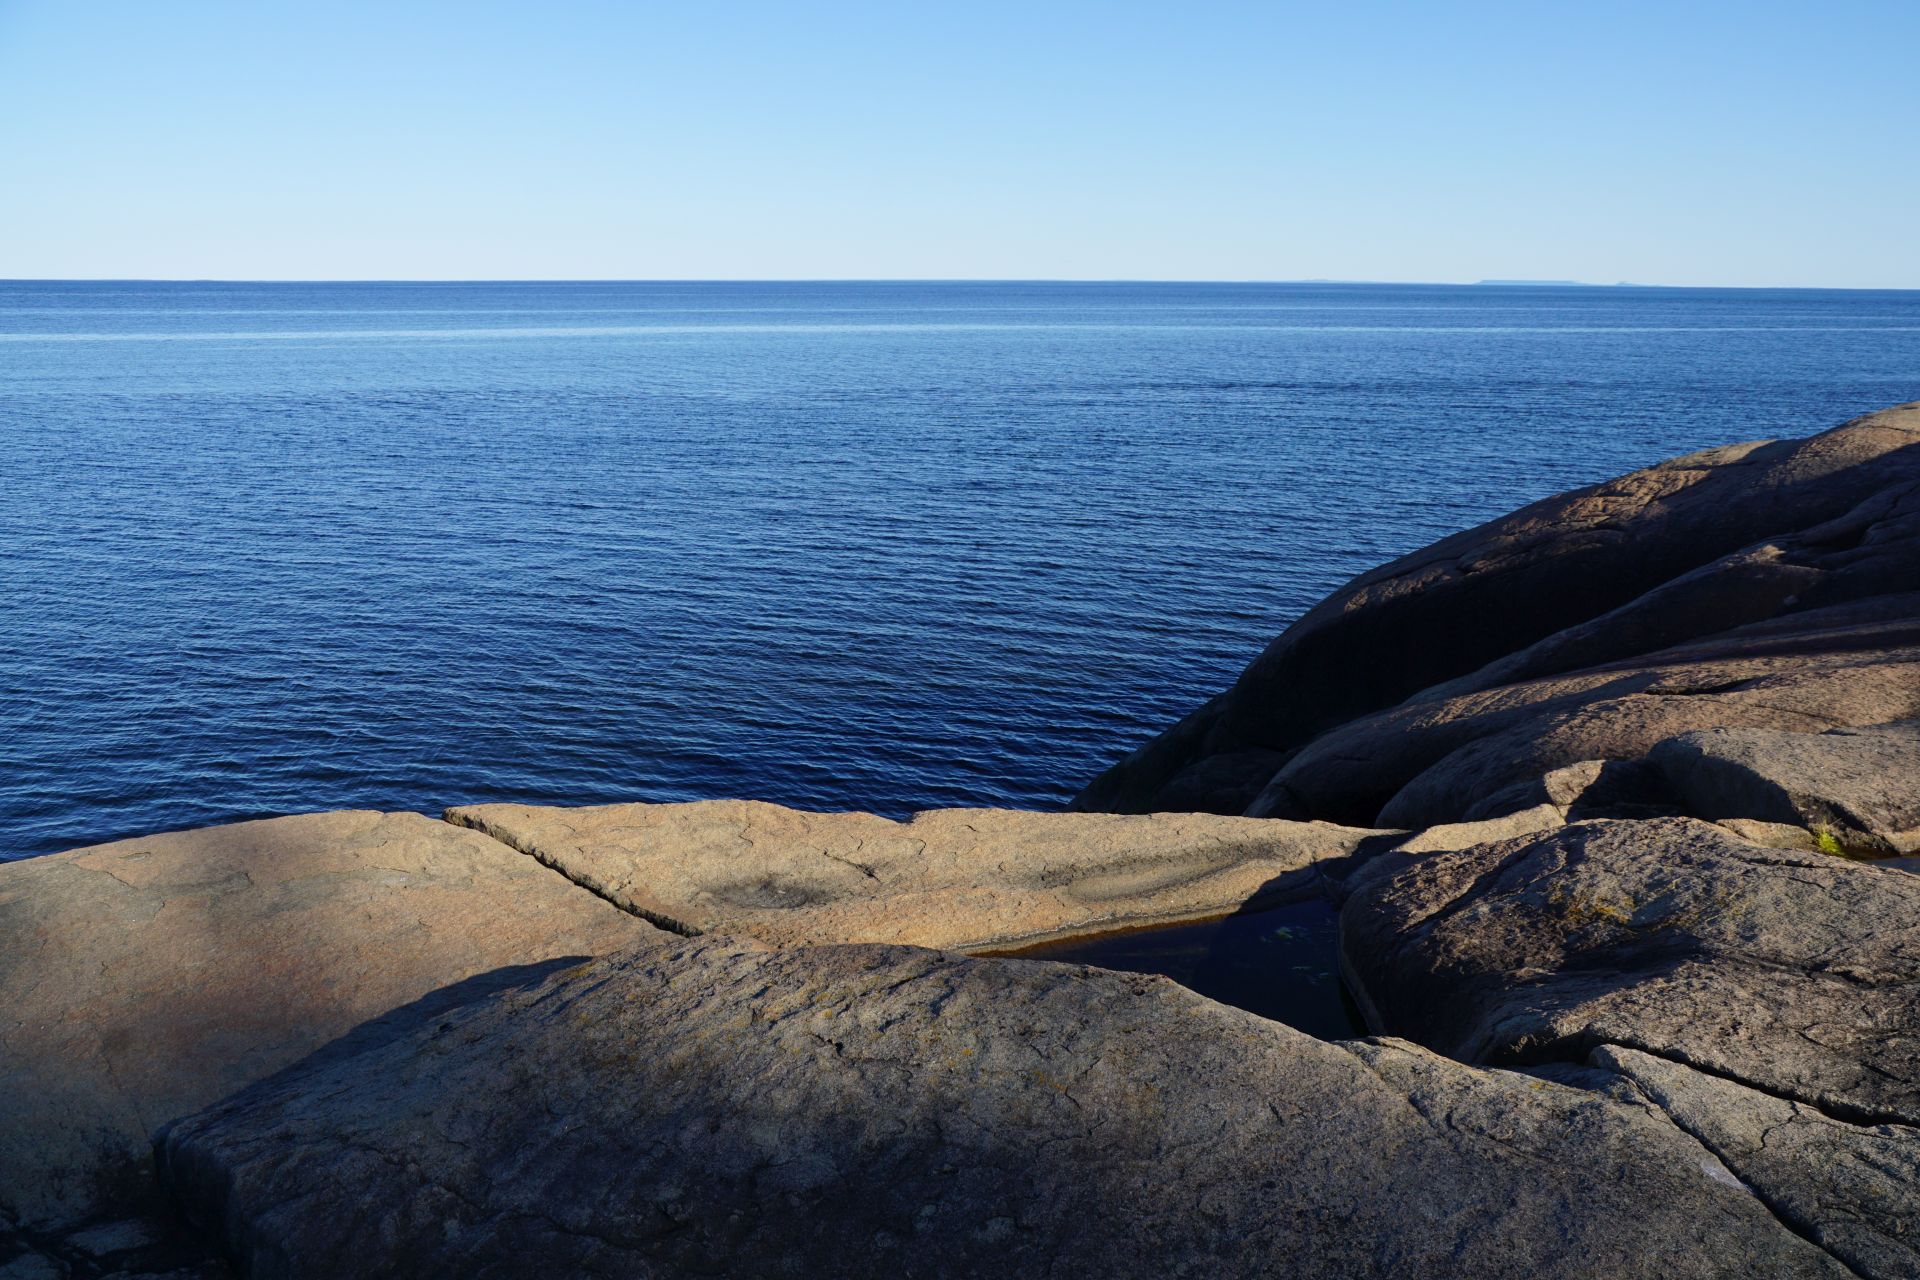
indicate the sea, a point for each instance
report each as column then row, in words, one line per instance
column 273, row 548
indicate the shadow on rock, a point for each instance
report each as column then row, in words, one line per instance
column 712, row 1107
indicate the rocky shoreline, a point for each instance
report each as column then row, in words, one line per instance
column 1617, row 796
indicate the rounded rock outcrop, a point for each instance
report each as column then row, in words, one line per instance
column 1561, row 629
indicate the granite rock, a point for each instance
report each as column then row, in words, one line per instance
column 954, row 878
column 1797, row 973
column 713, row 1108
column 1464, row 835
column 1860, row 787
column 1853, row 1189
column 144, row 979
column 1436, row 761
column 1692, row 559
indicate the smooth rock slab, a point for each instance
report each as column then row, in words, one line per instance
column 1464, row 835
column 1795, row 972
column 1859, row 786
column 949, row 878
column 1853, row 1188
column 142, row 980
column 708, row 1108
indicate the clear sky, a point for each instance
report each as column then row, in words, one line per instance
column 1676, row 143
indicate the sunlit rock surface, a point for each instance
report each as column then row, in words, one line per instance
column 1860, row 788
column 142, row 980
column 949, row 878
column 1794, row 972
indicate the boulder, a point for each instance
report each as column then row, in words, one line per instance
column 1797, row 973
column 955, row 878
column 1858, row 787
column 144, row 979
column 712, row 1108
column 1849, row 1188
column 1655, row 561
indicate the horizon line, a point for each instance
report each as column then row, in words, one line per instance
column 1489, row 283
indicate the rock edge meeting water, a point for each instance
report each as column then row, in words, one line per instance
column 285, row 547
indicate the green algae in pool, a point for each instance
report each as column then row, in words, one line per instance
column 1281, row 963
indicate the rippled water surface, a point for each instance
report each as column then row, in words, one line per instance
column 282, row 547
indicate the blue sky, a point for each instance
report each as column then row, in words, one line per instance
column 1698, row 143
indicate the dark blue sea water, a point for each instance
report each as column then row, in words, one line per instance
column 270, row 548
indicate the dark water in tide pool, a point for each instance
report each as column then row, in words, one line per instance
column 1282, row 963
column 284, row 547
